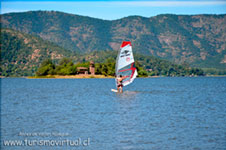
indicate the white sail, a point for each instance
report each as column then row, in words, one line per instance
column 125, row 64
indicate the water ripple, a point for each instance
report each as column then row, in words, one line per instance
column 152, row 113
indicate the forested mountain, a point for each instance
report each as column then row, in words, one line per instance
column 23, row 54
column 199, row 40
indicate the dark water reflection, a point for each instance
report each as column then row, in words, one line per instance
column 154, row 113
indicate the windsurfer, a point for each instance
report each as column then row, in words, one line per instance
column 119, row 83
column 124, row 66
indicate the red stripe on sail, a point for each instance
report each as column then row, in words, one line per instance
column 124, row 70
column 124, row 43
column 133, row 71
column 132, row 68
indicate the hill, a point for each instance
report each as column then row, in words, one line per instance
column 195, row 39
column 21, row 54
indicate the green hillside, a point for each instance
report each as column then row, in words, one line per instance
column 195, row 39
column 21, row 54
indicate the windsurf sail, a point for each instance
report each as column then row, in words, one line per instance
column 125, row 64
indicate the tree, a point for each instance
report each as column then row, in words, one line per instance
column 47, row 68
column 66, row 67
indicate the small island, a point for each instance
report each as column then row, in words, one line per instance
column 69, row 76
column 66, row 69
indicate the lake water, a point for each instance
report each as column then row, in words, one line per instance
column 152, row 114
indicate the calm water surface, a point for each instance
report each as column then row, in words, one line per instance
column 152, row 114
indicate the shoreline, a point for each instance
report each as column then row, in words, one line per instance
column 69, row 77
column 95, row 76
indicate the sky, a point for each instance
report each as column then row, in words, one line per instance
column 116, row 9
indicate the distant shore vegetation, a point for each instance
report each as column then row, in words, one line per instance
column 107, row 68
